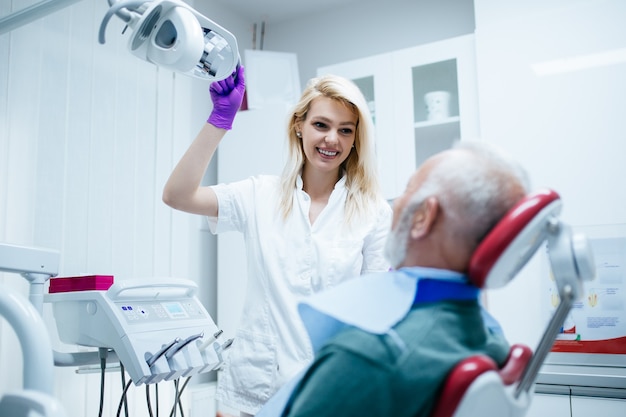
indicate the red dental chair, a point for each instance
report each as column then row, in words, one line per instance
column 475, row 386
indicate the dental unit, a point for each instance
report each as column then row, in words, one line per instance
column 157, row 329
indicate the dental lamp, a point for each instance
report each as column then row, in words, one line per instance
column 171, row 34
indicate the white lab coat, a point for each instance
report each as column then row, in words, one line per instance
column 287, row 261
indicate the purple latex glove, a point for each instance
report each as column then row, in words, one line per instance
column 227, row 96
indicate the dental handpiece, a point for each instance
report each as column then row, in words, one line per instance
column 150, row 361
column 181, row 344
column 224, row 346
column 210, row 340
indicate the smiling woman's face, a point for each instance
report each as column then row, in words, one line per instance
column 328, row 133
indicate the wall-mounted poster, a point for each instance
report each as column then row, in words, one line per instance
column 597, row 322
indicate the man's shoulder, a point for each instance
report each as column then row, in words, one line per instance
column 377, row 349
column 423, row 329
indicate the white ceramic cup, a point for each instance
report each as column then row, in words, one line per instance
column 437, row 104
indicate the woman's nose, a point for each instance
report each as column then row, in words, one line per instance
column 331, row 137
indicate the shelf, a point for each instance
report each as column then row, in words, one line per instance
column 435, row 136
column 428, row 123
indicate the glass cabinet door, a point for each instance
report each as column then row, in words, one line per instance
column 436, row 108
column 439, row 92
column 422, row 100
column 366, row 85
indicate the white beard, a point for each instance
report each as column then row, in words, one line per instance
column 397, row 242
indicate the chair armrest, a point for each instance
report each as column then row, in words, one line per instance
column 516, row 362
column 458, row 381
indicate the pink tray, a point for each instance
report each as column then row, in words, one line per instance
column 80, row 283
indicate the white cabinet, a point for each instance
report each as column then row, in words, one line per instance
column 605, row 407
column 395, row 85
column 553, row 405
column 548, row 405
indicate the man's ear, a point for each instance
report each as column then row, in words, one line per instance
column 424, row 218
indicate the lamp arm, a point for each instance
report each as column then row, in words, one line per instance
column 546, row 342
column 117, row 9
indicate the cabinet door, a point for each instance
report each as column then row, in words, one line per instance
column 436, row 93
column 396, row 84
column 373, row 76
column 605, row 407
column 548, row 405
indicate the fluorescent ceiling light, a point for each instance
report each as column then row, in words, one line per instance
column 580, row 62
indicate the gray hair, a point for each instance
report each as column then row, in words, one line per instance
column 475, row 195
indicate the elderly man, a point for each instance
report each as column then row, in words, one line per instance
column 385, row 342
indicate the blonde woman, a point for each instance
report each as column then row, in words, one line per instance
column 320, row 223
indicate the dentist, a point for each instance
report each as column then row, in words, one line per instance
column 322, row 221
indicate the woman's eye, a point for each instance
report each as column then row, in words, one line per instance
column 319, row 125
column 346, row 131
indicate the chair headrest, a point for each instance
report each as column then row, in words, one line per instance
column 514, row 240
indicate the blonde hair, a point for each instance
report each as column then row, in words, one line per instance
column 360, row 166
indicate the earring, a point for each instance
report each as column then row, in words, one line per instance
column 299, row 134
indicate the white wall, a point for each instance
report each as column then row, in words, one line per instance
column 566, row 128
column 367, row 28
column 88, row 136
